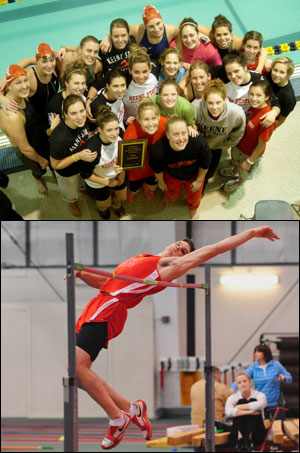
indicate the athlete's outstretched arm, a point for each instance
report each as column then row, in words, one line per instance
column 93, row 280
column 176, row 267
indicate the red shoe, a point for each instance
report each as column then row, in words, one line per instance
column 141, row 419
column 115, row 434
column 149, row 194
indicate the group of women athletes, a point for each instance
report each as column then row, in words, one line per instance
column 191, row 91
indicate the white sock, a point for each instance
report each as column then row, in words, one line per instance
column 132, row 410
column 118, row 421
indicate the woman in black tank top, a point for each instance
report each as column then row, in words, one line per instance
column 22, row 127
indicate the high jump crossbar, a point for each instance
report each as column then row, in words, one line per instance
column 91, row 270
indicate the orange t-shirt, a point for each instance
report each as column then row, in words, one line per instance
column 133, row 132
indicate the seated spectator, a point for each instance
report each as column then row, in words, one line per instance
column 267, row 374
column 179, row 160
column 246, row 409
column 222, row 392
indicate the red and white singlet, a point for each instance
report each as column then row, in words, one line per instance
column 123, row 295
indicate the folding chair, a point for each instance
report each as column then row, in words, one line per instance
column 272, row 210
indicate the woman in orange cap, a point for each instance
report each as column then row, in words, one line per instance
column 22, row 127
column 43, row 81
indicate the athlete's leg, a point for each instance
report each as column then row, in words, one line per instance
column 94, row 385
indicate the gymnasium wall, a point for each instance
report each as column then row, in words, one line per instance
column 34, row 325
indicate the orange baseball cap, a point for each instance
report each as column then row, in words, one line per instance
column 149, row 13
column 44, row 49
column 13, row 72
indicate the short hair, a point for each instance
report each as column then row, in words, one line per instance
column 221, row 21
column 235, row 57
column 265, row 350
column 190, row 242
column 287, row 61
column 242, row 373
column 215, row 86
column 175, row 119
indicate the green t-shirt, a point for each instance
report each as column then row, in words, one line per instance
column 183, row 108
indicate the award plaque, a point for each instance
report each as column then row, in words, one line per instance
column 132, row 153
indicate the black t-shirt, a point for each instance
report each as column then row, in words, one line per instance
column 94, row 144
column 55, row 104
column 285, row 95
column 182, row 165
column 115, row 59
column 64, row 142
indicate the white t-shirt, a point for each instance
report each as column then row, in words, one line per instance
column 105, row 168
column 135, row 93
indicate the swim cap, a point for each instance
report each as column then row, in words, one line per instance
column 150, row 12
column 44, row 49
column 14, row 72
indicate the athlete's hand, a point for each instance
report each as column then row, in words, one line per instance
column 195, row 186
column 192, row 131
column 76, row 274
column 112, row 182
column 118, row 169
column 60, row 53
column 163, row 186
column 106, row 44
column 43, row 163
column 9, row 105
column 130, row 120
column 265, row 232
column 87, row 155
column 88, row 111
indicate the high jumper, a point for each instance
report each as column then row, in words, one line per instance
column 105, row 315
